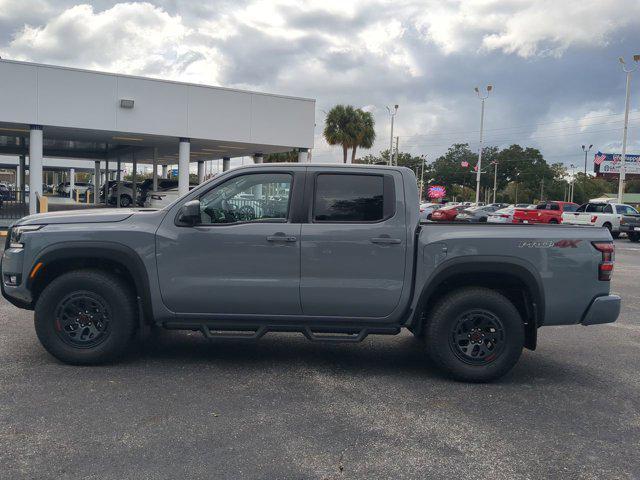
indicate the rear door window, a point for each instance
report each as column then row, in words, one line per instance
column 570, row 208
column 595, row 207
column 349, row 198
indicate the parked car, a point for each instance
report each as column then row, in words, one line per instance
column 503, row 215
column 447, row 213
column 545, row 212
column 212, row 264
column 426, row 209
column 476, row 214
column 126, row 194
column 81, row 187
column 599, row 214
column 630, row 224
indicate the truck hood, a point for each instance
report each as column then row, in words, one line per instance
column 98, row 215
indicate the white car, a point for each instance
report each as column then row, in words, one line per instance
column 599, row 214
column 161, row 198
column 426, row 209
column 504, row 215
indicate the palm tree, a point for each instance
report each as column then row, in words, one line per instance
column 339, row 127
column 365, row 133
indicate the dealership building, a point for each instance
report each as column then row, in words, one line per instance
column 106, row 119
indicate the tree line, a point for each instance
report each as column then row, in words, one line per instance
column 522, row 175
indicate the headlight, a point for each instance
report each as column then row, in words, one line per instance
column 16, row 234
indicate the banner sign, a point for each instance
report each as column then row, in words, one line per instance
column 436, row 191
column 605, row 164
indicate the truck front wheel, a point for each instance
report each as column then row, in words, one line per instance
column 85, row 317
column 475, row 334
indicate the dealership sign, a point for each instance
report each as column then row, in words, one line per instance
column 436, row 191
column 610, row 163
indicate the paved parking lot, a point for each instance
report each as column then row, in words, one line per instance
column 284, row 408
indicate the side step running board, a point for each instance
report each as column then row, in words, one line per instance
column 322, row 333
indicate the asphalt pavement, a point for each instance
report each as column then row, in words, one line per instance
column 179, row 406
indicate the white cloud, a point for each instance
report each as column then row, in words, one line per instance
column 525, row 27
column 134, row 38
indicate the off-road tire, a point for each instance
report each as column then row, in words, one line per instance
column 441, row 328
column 109, row 291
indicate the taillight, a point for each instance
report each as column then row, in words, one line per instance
column 594, row 218
column 504, row 216
column 605, row 267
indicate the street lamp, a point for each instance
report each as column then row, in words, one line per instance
column 393, row 116
column 422, row 161
column 482, row 96
column 586, row 151
column 573, row 180
column 623, row 166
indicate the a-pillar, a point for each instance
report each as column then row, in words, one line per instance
column 165, row 171
column 258, row 158
column 96, row 183
column 72, row 181
column 226, row 163
column 35, row 166
column 303, row 155
column 184, row 153
column 200, row 171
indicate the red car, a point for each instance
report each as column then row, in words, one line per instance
column 447, row 214
column 545, row 212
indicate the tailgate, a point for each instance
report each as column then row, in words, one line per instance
column 577, row 218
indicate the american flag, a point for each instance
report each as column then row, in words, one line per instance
column 464, row 163
column 599, row 158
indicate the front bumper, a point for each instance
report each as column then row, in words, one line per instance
column 602, row 310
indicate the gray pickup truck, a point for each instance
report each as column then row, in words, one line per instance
column 333, row 252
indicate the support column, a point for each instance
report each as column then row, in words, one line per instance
column 258, row 158
column 226, row 163
column 134, row 177
column 118, row 182
column 72, row 181
column 165, row 171
column 35, row 166
column 96, row 183
column 184, row 152
column 303, row 155
column 154, row 175
column 200, row 171
column 23, row 176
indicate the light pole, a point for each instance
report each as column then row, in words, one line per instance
column 495, row 179
column 482, row 96
column 573, row 181
column 586, row 151
column 422, row 157
column 623, row 166
column 393, row 116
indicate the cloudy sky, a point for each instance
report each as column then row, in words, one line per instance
column 553, row 63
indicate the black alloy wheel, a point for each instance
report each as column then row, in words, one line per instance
column 82, row 319
column 477, row 337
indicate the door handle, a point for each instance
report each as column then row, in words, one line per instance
column 281, row 238
column 386, row 240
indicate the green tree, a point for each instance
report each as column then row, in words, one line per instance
column 339, row 127
column 364, row 133
column 291, row 156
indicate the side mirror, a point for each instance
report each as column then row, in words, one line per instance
column 190, row 213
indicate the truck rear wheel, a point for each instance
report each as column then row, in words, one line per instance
column 634, row 237
column 85, row 317
column 475, row 334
